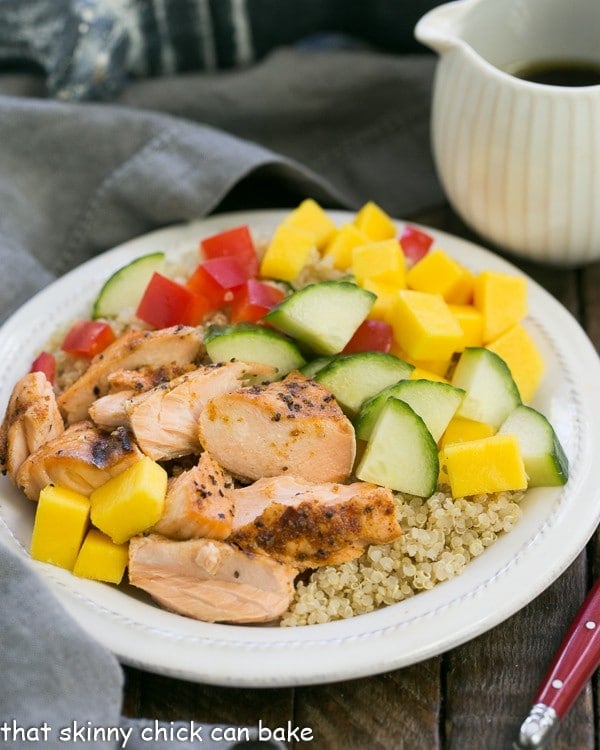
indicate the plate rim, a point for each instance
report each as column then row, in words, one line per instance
column 167, row 655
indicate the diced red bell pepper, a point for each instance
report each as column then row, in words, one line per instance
column 415, row 243
column 86, row 338
column 46, row 363
column 253, row 300
column 237, row 243
column 370, row 336
column 166, row 303
column 215, row 278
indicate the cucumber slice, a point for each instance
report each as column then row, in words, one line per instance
column 323, row 316
column 545, row 461
column 435, row 402
column 311, row 368
column 491, row 393
column 353, row 378
column 401, row 453
column 247, row 342
column 125, row 287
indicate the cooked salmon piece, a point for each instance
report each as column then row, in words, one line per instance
column 293, row 425
column 199, row 503
column 133, row 349
column 210, row 580
column 82, row 458
column 143, row 378
column 164, row 420
column 111, row 410
column 309, row 525
column 32, row 418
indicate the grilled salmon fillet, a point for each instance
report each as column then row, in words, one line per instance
column 309, row 525
column 131, row 350
column 210, row 580
column 199, row 503
column 32, row 418
column 293, row 425
column 164, row 420
column 82, row 458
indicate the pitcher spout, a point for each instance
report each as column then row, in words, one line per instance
column 440, row 28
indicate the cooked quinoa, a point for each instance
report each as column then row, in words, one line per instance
column 441, row 535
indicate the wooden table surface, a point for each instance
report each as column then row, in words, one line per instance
column 471, row 698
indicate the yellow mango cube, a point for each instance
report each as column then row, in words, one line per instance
column 386, row 297
column 310, row 217
column 375, row 222
column 471, row 322
column 437, row 367
column 516, row 347
column 461, row 430
column 502, row 300
column 421, row 373
column 341, row 245
column 424, row 327
column 491, row 464
column 434, row 369
column 61, row 521
column 381, row 261
column 100, row 559
column 288, row 252
column 131, row 502
column 438, row 273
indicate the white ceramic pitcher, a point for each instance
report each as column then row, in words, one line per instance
column 519, row 161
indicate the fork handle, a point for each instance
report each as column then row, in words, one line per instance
column 576, row 659
column 574, row 663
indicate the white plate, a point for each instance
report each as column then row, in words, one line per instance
column 556, row 523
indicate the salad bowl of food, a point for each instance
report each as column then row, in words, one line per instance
column 281, row 447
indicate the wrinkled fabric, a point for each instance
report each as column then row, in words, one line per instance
column 344, row 127
column 90, row 49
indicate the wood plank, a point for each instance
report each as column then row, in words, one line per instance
column 397, row 710
column 169, row 699
column 491, row 681
column 590, row 302
column 132, row 691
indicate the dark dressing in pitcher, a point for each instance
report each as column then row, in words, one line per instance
column 559, row 72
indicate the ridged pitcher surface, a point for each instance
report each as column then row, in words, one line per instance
column 518, row 161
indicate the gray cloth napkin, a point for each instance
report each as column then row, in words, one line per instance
column 76, row 179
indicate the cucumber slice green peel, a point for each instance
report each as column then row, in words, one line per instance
column 546, row 463
column 401, row 453
column 434, row 401
column 248, row 342
column 125, row 287
column 353, row 378
column 322, row 316
column 491, row 394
